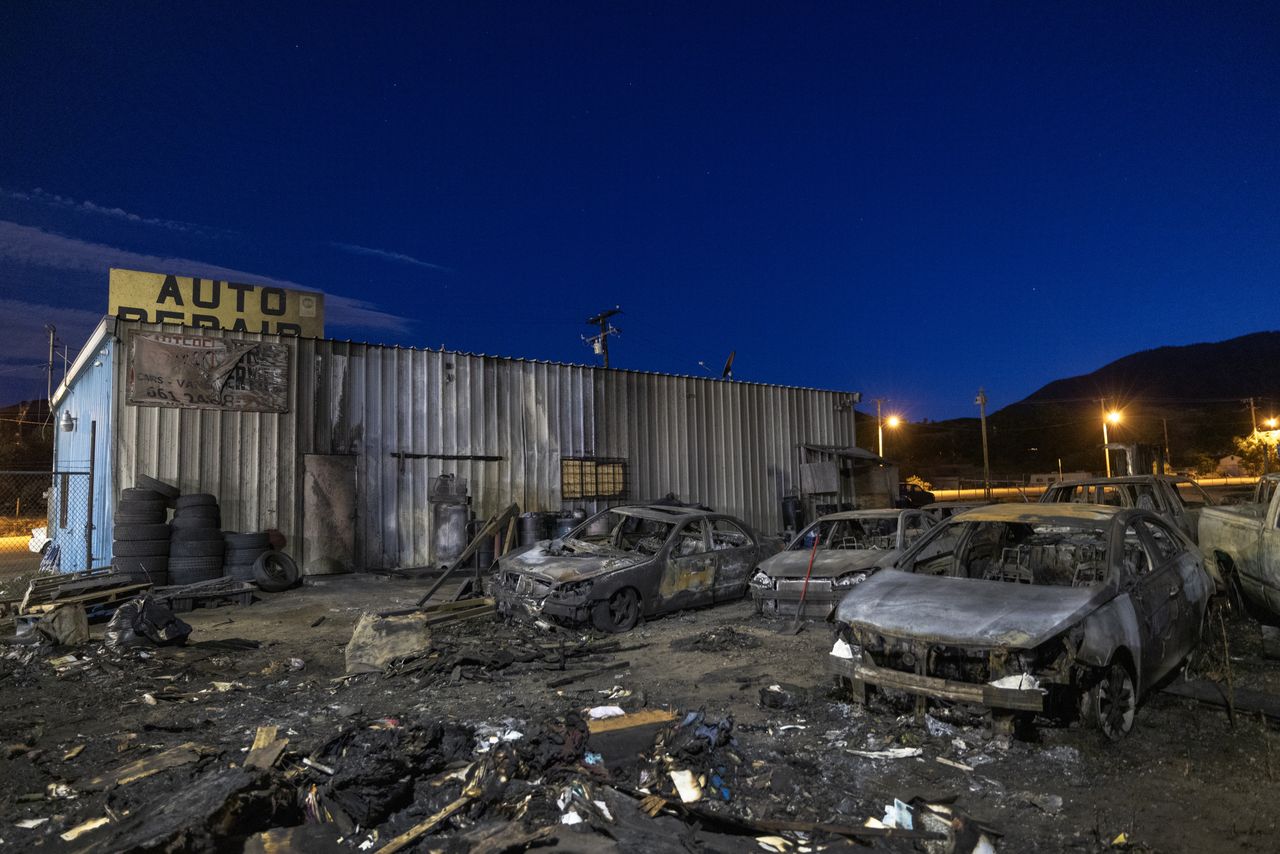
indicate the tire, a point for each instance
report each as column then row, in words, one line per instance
column 196, row 548
column 202, row 512
column 154, row 531
column 152, row 569
column 195, row 535
column 240, row 571
column 189, row 570
column 275, row 572
column 1110, row 705
column 180, row 521
column 138, row 519
column 246, row 556
column 247, row 541
column 140, row 548
column 137, row 506
column 619, row 613
column 199, row 499
column 169, row 491
column 134, row 493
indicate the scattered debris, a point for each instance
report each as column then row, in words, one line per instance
column 379, row 640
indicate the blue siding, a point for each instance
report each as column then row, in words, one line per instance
column 88, row 398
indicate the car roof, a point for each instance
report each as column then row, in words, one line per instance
column 661, row 512
column 882, row 513
column 1065, row 512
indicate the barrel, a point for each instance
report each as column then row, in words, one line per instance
column 792, row 513
column 564, row 523
column 535, row 526
column 483, row 558
column 448, row 532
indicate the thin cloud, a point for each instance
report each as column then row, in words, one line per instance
column 53, row 200
column 26, row 245
column 390, row 256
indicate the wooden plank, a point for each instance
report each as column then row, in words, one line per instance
column 487, row 531
column 641, row 718
column 183, row 754
column 101, row 598
column 266, row 748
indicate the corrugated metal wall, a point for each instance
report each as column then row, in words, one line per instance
column 730, row 445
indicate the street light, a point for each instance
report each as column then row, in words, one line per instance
column 893, row 422
column 1272, row 423
column 1111, row 417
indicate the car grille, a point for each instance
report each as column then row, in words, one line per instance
column 525, row 585
column 796, row 585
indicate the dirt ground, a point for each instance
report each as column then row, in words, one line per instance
column 1185, row 779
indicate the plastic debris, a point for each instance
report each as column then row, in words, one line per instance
column 602, row 712
column 1019, row 682
column 897, row 814
column 890, row 753
column 687, row 786
column 842, row 649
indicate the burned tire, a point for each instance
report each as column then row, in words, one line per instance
column 199, row 499
column 245, row 556
column 135, row 507
column 154, row 531
column 188, row 535
column 169, row 491
column 137, row 519
column 275, row 572
column 1110, row 704
column 140, row 548
column 190, row 522
column 619, row 613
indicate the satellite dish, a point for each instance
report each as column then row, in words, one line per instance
column 728, row 365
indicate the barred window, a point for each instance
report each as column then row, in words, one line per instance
column 593, row 477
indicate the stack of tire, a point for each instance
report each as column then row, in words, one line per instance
column 196, row 551
column 250, row 557
column 140, row 550
column 243, row 551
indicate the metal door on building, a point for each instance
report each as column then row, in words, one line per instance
column 328, row 513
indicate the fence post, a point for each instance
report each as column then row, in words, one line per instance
column 88, row 525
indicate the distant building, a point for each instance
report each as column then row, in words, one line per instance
column 1046, row 478
column 1231, row 466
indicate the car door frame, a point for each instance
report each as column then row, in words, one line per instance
column 725, row 586
column 686, row 581
column 1155, row 596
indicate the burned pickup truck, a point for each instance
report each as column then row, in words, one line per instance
column 1029, row 608
column 843, row 548
column 1243, row 543
column 629, row 562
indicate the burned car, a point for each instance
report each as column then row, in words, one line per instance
column 629, row 562
column 1062, row 609
column 850, row 546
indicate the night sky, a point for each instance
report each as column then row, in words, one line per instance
column 910, row 200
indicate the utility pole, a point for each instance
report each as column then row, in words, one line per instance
column 49, row 396
column 1106, row 452
column 879, row 427
column 600, row 343
column 981, row 400
column 1253, row 415
column 1168, row 458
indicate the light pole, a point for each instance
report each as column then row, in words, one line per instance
column 1112, row 417
column 981, row 400
column 879, row 428
column 1271, row 424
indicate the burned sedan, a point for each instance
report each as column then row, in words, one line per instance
column 1029, row 608
column 849, row 547
column 629, row 562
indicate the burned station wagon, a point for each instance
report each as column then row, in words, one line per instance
column 629, row 562
column 849, row 547
column 1029, row 608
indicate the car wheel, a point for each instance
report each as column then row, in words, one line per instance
column 1111, row 704
column 619, row 613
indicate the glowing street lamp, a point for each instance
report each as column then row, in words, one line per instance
column 1272, row 423
column 1109, row 417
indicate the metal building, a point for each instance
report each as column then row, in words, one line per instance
column 344, row 471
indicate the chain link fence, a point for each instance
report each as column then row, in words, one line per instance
column 41, row 513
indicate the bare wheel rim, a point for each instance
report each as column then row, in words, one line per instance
column 622, row 608
column 1117, row 702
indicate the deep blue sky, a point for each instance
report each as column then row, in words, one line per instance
column 909, row 200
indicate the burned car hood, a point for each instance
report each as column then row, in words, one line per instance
column 965, row 611
column 570, row 561
column 827, row 563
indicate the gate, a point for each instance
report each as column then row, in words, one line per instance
column 45, row 516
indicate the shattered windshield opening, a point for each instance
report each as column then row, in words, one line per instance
column 872, row 533
column 1053, row 554
column 624, row 531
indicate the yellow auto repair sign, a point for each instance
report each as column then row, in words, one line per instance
column 214, row 304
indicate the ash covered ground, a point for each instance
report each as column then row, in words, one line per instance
column 388, row 752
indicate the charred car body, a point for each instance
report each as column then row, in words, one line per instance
column 1178, row 499
column 850, row 546
column 632, row 561
column 1030, row 608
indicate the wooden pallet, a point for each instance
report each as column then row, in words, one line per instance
column 110, row 596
